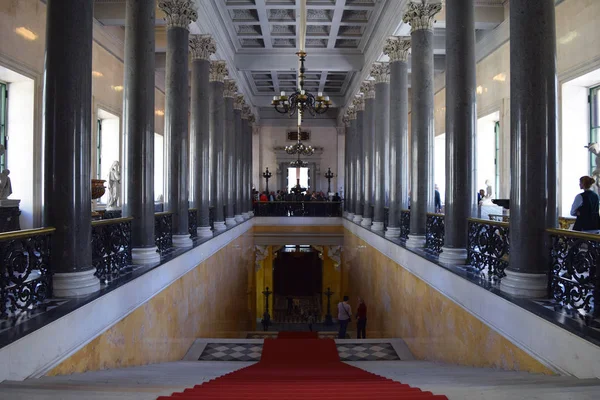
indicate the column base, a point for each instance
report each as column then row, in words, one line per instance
column 250, row 214
column 220, row 226
column 392, row 232
column 521, row 284
column 145, row 256
column 245, row 216
column 350, row 216
column 377, row 226
column 204, row 231
column 366, row 222
column 182, row 241
column 415, row 241
column 239, row 219
column 357, row 219
column 230, row 222
column 74, row 284
column 453, row 256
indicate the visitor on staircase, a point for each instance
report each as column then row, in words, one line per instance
column 344, row 316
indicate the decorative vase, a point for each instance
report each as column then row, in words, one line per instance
column 98, row 188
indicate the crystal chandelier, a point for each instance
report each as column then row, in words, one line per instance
column 301, row 100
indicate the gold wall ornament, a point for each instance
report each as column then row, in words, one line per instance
column 202, row 47
column 218, row 71
column 421, row 15
column 381, row 72
column 397, row 48
column 178, row 13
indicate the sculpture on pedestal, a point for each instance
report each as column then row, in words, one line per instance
column 594, row 148
column 5, row 185
column 114, row 185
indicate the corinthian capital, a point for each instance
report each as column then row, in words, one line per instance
column 397, row 48
column 202, row 46
column 350, row 113
column 359, row 103
column 179, row 13
column 368, row 89
column 230, row 88
column 251, row 118
column 420, row 14
column 381, row 72
column 239, row 102
column 218, row 71
column 246, row 111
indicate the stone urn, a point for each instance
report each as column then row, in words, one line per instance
column 98, row 188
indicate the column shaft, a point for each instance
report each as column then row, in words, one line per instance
column 250, row 155
column 246, row 191
column 67, row 163
column 358, row 155
column 351, row 137
column 217, row 120
column 368, row 142
column 176, row 133
column 382, row 126
column 228, row 152
column 239, row 148
column 533, row 102
column 461, row 124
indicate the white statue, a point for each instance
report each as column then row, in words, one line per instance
column 594, row 148
column 5, row 186
column 114, row 185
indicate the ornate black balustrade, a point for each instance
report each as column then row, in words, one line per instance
column 163, row 231
column 488, row 247
column 404, row 224
column 111, row 247
column 574, row 271
column 434, row 233
column 297, row 209
column 193, row 222
column 26, row 277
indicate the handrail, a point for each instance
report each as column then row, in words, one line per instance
column 434, row 214
column 575, row 234
column 300, row 201
column 26, row 233
column 488, row 222
column 161, row 213
column 111, row 221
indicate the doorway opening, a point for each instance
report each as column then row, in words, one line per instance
column 108, row 146
column 294, row 174
column 297, row 284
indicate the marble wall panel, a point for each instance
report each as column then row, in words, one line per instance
column 435, row 328
column 209, row 301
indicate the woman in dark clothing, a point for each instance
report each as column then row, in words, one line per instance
column 585, row 207
column 361, row 320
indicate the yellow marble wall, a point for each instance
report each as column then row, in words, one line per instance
column 434, row 327
column 264, row 279
column 209, row 301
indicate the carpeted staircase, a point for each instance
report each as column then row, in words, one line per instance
column 299, row 366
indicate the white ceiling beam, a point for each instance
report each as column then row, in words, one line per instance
column 289, row 62
column 263, row 19
column 338, row 12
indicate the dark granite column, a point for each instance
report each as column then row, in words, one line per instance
column 67, row 161
column 201, row 47
column 351, row 137
column 179, row 15
column 397, row 49
column 229, row 93
column 533, row 102
column 381, row 73
column 246, row 165
column 239, row 149
column 218, row 71
column 461, row 125
column 251, row 121
column 420, row 17
column 368, row 138
column 359, row 105
column 346, row 121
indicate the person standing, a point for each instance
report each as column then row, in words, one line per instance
column 344, row 316
column 585, row 207
column 361, row 320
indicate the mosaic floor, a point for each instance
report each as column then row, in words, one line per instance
column 252, row 352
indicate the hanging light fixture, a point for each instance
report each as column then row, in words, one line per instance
column 301, row 100
column 300, row 148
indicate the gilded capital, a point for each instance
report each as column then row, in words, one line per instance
column 179, row 13
column 238, row 102
column 420, row 15
column 230, row 88
column 202, row 47
column 368, row 89
column 246, row 111
column 397, row 48
column 381, row 72
column 218, row 71
column 359, row 102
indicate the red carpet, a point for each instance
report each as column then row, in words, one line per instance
column 297, row 335
column 294, row 369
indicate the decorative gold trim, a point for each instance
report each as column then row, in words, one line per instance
column 575, row 234
column 160, row 214
column 433, row 214
column 25, row 233
column 488, row 222
column 111, row 221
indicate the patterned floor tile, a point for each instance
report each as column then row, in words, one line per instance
column 367, row 352
column 231, row 352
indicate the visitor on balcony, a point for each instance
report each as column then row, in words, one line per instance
column 337, row 198
column 264, row 197
column 585, row 207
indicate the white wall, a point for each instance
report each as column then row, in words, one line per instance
column 20, row 146
column 485, row 153
column 439, row 165
column 110, row 146
column 159, row 171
